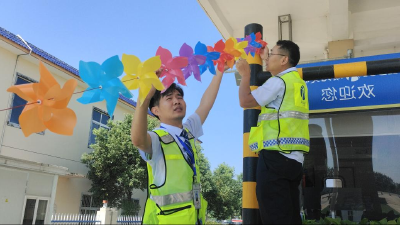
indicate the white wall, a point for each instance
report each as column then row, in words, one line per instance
column 374, row 24
column 376, row 31
column 12, row 195
column 69, row 191
column 50, row 148
column 15, row 186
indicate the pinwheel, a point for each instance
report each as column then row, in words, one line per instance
column 47, row 105
column 201, row 49
column 228, row 54
column 141, row 75
column 260, row 41
column 171, row 67
column 193, row 62
column 103, row 82
column 254, row 43
column 239, row 46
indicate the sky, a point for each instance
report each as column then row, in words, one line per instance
column 96, row 30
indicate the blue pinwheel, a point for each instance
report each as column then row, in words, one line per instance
column 253, row 45
column 103, row 82
column 201, row 49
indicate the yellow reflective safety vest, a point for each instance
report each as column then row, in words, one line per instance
column 285, row 129
column 172, row 202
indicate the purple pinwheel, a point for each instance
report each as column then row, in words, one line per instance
column 201, row 49
column 253, row 45
column 193, row 62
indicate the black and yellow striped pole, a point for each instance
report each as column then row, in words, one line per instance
column 250, row 211
column 363, row 68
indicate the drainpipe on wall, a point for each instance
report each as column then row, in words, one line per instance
column 10, row 94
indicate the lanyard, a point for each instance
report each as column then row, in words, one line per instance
column 188, row 152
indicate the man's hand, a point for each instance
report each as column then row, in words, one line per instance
column 159, row 71
column 243, row 67
column 264, row 53
column 153, row 89
column 226, row 67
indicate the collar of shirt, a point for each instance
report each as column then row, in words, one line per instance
column 174, row 131
column 287, row 71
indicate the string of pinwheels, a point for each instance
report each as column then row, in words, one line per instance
column 47, row 103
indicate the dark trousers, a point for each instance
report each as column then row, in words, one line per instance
column 278, row 179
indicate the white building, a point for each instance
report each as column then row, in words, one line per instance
column 42, row 174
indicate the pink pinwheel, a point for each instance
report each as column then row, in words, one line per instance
column 193, row 62
column 171, row 67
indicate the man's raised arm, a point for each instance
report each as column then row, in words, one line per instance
column 209, row 96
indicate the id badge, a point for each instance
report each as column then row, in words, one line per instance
column 196, row 195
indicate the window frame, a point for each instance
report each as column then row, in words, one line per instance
column 102, row 112
column 30, row 80
column 90, row 208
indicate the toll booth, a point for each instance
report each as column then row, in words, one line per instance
column 353, row 167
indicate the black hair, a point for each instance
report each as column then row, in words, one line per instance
column 292, row 49
column 155, row 100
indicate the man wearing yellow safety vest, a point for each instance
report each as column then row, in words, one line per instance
column 174, row 190
column 281, row 136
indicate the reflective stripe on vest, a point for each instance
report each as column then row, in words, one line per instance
column 288, row 114
column 173, row 198
column 284, row 129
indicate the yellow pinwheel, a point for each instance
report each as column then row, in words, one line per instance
column 141, row 75
column 239, row 46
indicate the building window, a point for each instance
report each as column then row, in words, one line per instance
column 17, row 101
column 89, row 205
column 99, row 119
column 35, row 210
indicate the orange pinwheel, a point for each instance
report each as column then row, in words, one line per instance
column 47, row 105
column 228, row 53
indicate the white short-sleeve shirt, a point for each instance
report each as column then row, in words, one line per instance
column 270, row 94
column 156, row 159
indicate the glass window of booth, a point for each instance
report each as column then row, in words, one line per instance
column 352, row 169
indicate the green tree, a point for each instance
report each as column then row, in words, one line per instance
column 239, row 191
column 115, row 166
column 227, row 203
column 207, row 183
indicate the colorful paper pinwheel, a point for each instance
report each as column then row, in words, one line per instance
column 239, row 46
column 171, row 67
column 194, row 61
column 259, row 40
column 141, row 75
column 255, row 43
column 228, row 54
column 47, row 105
column 201, row 49
column 103, row 82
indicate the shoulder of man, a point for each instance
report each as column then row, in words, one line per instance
column 193, row 124
column 163, row 135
